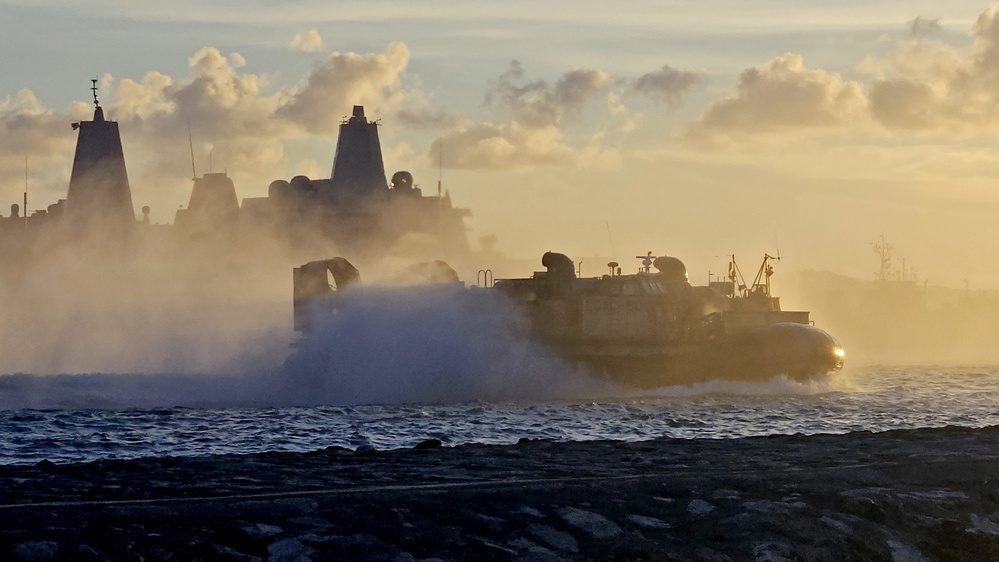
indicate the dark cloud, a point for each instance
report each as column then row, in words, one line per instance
column 902, row 104
column 423, row 118
column 922, row 26
column 540, row 104
column 666, row 84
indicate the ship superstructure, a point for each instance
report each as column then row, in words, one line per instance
column 356, row 210
column 99, row 198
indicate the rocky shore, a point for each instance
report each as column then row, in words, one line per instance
column 902, row 496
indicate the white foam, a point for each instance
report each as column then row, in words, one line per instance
column 427, row 345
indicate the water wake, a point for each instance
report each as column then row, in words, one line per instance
column 412, row 345
column 427, row 345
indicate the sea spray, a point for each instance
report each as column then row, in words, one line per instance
column 424, row 344
column 427, row 344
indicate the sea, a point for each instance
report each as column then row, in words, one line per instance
column 85, row 417
column 390, row 370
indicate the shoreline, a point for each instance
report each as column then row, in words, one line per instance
column 924, row 494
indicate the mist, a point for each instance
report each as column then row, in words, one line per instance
column 112, row 343
column 894, row 322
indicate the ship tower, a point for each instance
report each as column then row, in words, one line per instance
column 358, row 168
column 99, row 199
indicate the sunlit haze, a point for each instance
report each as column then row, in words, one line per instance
column 599, row 129
column 691, row 129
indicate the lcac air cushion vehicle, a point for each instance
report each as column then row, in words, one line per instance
column 645, row 330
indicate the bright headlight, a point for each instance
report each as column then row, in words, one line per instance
column 839, row 352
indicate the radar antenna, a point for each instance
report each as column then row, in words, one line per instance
column 646, row 261
column 886, row 252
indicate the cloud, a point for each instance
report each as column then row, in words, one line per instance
column 922, row 26
column 500, row 146
column 29, row 128
column 40, row 138
column 540, row 104
column 931, row 86
column 308, row 42
column 666, row 84
column 422, row 117
column 346, row 79
column 513, row 146
column 781, row 95
column 532, row 134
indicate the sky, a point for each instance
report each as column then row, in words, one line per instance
column 595, row 128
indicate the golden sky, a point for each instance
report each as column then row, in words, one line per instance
column 594, row 128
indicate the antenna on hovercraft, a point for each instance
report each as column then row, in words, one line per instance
column 646, row 261
column 766, row 270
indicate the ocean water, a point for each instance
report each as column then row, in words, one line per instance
column 70, row 418
column 394, row 367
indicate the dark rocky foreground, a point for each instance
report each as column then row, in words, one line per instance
column 901, row 496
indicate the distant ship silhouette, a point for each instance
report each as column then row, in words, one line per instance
column 356, row 210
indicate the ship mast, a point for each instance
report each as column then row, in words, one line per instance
column 440, row 200
column 26, row 193
column 190, row 142
column 886, row 252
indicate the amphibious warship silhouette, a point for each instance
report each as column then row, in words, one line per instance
column 356, row 210
column 646, row 330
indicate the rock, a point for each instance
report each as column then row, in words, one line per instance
column 938, row 495
column 901, row 552
column 710, row 555
column 357, row 543
column 836, row 497
column 593, row 523
column 494, row 546
column 428, row 444
column 522, row 543
column 648, row 522
column 232, row 555
column 771, row 552
column 836, row 524
column 87, row 553
column 533, row 552
column 724, row 494
column 288, row 550
column 530, row 511
column 554, row 538
column 699, row 507
column 980, row 524
column 540, row 554
column 37, row 551
column 495, row 523
column 315, row 522
column 262, row 531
